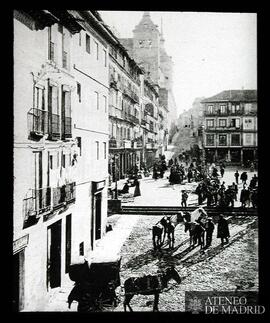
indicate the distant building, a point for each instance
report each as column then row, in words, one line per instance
column 125, row 134
column 230, row 126
column 188, row 136
column 147, row 49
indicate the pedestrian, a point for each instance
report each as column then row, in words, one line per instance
column 125, row 189
column 223, row 229
column 137, row 191
column 189, row 175
column 236, row 175
column 184, row 198
column 244, row 177
column 199, row 192
column 222, row 170
column 209, row 228
column 244, row 197
column 235, row 189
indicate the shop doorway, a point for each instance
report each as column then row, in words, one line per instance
column 54, row 255
column 98, row 199
column 18, row 282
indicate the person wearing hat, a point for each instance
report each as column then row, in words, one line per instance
column 209, row 228
column 184, row 198
column 223, row 229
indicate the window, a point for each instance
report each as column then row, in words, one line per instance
column 222, row 140
column 96, row 48
column 210, row 109
column 248, row 107
column 79, row 91
column 233, row 109
column 210, row 123
column 63, row 161
column 51, row 161
column 97, row 150
column 39, row 98
column 248, row 139
column 65, row 48
column 87, row 40
column 235, row 123
column 223, row 109
column 140, row 43
column 97, row 100
column 105, row 103
column 222, row 123
column 210, row 140
column 52, row 45
column 105, row 57
column 235, row 139
column 105, row 150
column 81, row 248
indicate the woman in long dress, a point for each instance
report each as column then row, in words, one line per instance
column 137, row 191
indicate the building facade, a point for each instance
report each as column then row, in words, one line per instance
column 230, row 126
column 60, row 147
column 188, row 137
column 125, row 142
column 147, row 48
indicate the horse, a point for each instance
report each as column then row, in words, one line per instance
column 196, row 233
column 174, row 220
column 157, row 230
column 149, row 285
column 166, row 226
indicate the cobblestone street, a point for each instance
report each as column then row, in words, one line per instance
column 232, row 267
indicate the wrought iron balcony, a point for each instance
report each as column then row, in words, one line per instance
column 64, row 194
column 38, row 203
column 42, row 122
column 37, row 122
column 67, row 128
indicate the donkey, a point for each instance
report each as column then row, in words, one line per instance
column 174, row 220
column 196, row 233
column 149, row 285
column 157, row 230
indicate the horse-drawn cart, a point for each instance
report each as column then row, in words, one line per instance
column 95, row 284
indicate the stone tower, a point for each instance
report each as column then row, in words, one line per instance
column 146, row 46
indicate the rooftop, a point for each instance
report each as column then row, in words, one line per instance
column 233, row 95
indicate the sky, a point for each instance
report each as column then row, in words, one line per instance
column 211, row 52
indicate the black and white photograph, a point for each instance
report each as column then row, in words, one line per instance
column 135, row 162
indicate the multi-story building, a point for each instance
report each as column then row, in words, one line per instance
column 60, row 147
column 148, row 50
column 126, row 140
column 149, row 122
column 230, row 126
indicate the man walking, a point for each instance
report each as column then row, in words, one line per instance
column 223, row 230
column 184, row 198
column 209, row 228
column 244, row 177
column 222, row 170
column 236, row 175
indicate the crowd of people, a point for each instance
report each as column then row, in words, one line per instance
column 211, row 187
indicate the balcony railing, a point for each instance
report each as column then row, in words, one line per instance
column 44, row 200
column 37, row 122
column 64, row 194
column 67, row 130
column 42, row 122
column 38, row 203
